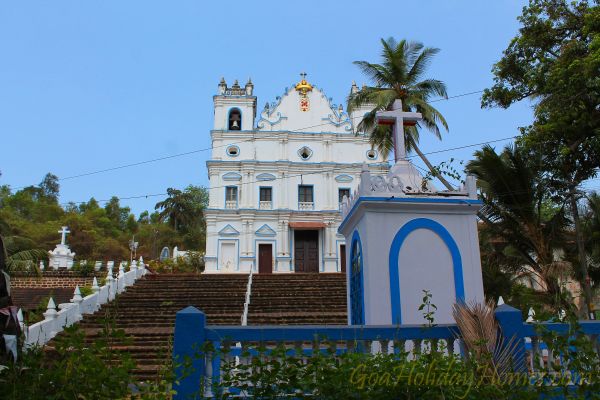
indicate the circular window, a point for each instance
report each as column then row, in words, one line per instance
column 233, row 151
column 305, row 153
column 371, row 154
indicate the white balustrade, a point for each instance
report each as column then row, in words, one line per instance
column 306, row 205
column 232, row 204
column 265, row 205
column 69, row 313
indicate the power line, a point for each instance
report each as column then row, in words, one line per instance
column 310, row 173
column 457, row 96
column 168, row 157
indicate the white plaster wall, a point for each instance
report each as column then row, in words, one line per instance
column 246, row 104
column 377, row 230
column 304, row 121
column 273, row 148
column 430, row 268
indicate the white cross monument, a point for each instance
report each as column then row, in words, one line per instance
column 61, row 256
column 404, row 237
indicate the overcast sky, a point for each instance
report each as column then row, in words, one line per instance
column 90, row 85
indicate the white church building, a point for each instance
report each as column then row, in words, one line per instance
column 277, row 180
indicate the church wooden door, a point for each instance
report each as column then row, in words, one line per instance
column 306, row 251
column 343, row 257
column 265, row 258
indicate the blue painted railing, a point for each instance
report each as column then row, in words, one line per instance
column 191, row 332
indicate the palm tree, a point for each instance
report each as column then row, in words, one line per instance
column 18, row 253
column 399, row 77
column 176, row 208
column 519, row 212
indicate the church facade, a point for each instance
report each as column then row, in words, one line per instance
column 277, row 180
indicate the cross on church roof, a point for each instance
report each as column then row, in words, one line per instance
column 303, row 75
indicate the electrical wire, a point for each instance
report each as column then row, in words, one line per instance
column 187, row 153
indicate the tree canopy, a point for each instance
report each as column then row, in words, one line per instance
column 31, row 217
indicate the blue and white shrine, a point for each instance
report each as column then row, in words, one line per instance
column 406, row 236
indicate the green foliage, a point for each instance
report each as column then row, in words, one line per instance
column 30, row 218
column 74, row 370
column 273, row 372
column 554, row 61
column 524, row 230
column 400, row 76
column 192, row 262
column 84, row 268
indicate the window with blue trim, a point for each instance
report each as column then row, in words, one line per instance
column 356, row 285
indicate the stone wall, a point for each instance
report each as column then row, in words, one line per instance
column 53, row 279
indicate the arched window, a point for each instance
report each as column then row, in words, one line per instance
column 356, row 283
column 235, row 120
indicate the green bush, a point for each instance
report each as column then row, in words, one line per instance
column 280, row 372
column 73, row 370
column 192, row 262
column 85, row 268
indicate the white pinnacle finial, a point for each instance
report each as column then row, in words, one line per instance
column 95, row 287
column 500, row 301
column 76, row 295
column 50, row 310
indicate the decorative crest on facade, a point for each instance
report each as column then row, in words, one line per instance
column 303, row 86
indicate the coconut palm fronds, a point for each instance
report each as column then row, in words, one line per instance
column 483, row 340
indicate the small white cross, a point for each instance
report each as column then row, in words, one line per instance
column 64, row 232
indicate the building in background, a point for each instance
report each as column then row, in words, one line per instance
column 276, row 181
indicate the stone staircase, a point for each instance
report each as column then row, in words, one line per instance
column 298, row 299
column 146, row 311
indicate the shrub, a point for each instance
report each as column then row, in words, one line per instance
column 73, row 370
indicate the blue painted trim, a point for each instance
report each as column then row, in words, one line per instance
column 232, row 146
column 265, row 231
column 338, row 252
column 374, row 157
column 237, row 245
column 237, row 196
column 408, row 228
column 272, row 197
column 363, row 199
column 273, row 242
column 287, row 162
column 345, row 188
column 361, row 293
column 311, row 152
column 321, row 235
column 231, row 176
column 344, row 178
column 236, row 210
column 298, row 196
column 223, row 232
column 265, row 177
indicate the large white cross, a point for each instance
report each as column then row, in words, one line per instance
column 398, row 118
column 63, row 232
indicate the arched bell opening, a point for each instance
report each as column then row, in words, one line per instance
column 235, row 120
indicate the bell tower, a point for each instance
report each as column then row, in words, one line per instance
column 235, row 107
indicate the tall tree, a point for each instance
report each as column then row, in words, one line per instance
column 176, row 208
column 400, row 76
column 518, row 211
column 50, row 186
column 554, row 61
